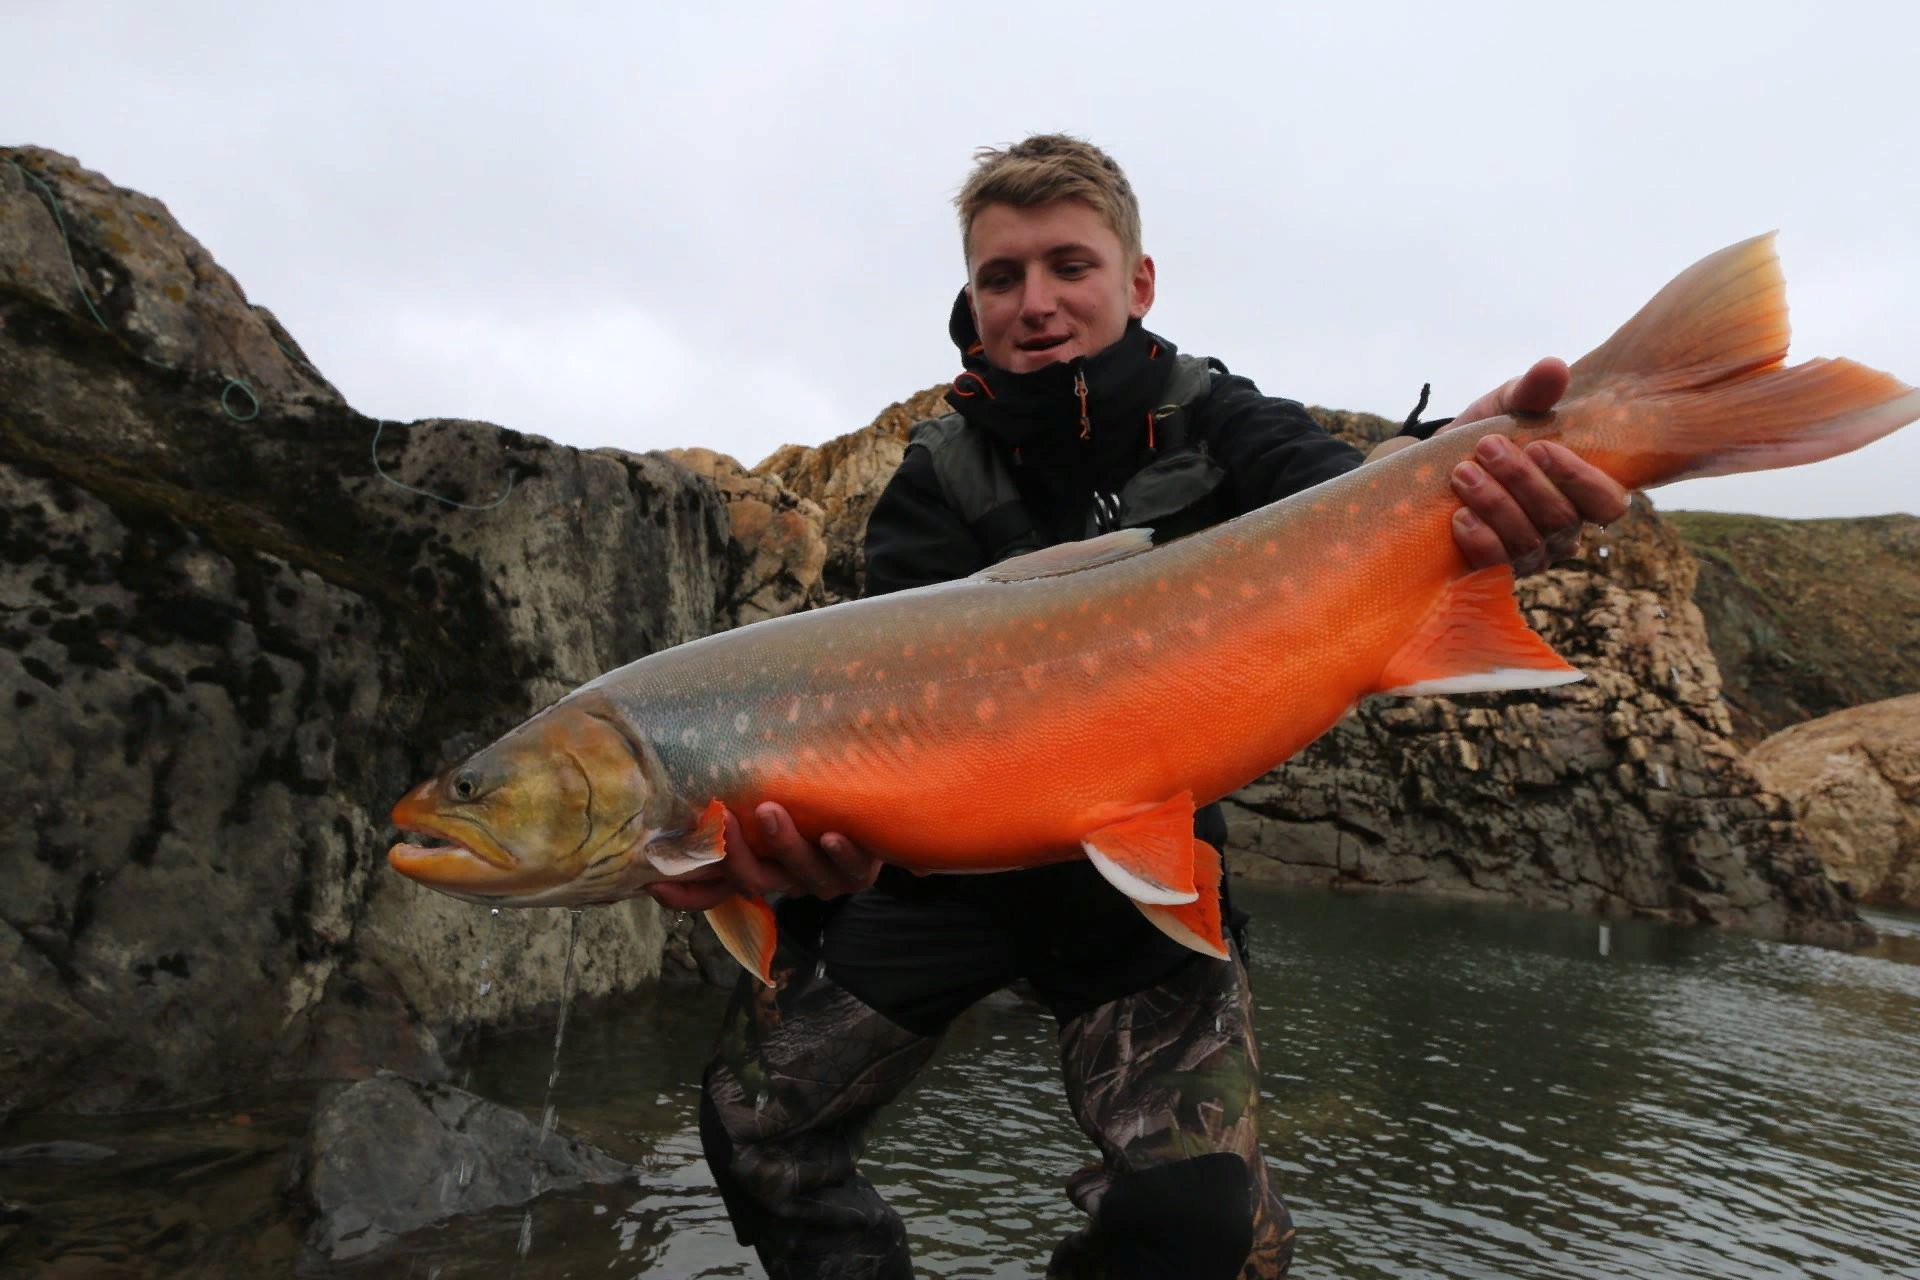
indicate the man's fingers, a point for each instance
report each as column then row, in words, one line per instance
column 1597, row 496
column 1535, row 391
column 1539, row 388
column 1491, row 528
column 855, row 867
column 749, row 870
column 698, row 895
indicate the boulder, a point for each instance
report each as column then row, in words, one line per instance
column 1853, row 778
column 227, row 646
column 387, row 1155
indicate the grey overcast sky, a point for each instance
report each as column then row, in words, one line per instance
column 648, row 226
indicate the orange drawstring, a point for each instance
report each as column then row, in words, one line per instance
column 968, row 395
column 1080, row 389
column 1150, row 422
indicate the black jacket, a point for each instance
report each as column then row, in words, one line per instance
column 1267, row 449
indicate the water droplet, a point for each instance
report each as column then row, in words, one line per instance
column 496, row 911
column 1604, row 551
column 485, row 986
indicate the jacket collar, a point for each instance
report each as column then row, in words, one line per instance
column 1044, row 414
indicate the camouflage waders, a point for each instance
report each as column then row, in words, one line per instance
column 1163, row 1078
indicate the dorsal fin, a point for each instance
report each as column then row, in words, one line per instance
column 1070, row 557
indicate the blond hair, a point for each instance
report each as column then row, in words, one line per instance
column 1045, row 168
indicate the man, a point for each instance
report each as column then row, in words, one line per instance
column 1070, row 419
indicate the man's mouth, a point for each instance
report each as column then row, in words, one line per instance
column 1042, row 344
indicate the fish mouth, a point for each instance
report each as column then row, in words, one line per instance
column 432, row 856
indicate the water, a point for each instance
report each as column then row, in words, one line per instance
column 1452, row 1091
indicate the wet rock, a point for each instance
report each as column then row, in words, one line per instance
column 388, row 1155
column 227, row 646
column 1853, row 778
column 55, row 1152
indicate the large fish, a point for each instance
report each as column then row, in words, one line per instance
column 1042, row 709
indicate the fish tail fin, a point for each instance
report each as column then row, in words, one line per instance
column 1702, row 367
column 1195, row 924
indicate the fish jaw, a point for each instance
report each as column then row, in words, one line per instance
column 463, row 860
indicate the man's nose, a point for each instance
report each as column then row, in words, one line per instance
column 1038, row 298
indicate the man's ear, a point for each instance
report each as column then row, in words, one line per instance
column 1139, row 289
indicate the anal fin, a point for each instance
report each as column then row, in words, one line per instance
column 745, row 928
column 1474, row 641
column 702, row 846
column 1197, row 924
column 1149, row 856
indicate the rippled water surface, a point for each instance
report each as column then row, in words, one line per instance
column 1451, row 1091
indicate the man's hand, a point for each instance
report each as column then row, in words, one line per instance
column 1523, row 507
column 789, row 864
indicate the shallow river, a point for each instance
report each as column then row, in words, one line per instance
column 1451, row 1091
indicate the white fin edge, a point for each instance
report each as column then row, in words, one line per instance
column 674, row 862
column 1494, row 681
column 1167, row 924
column 1132, row 885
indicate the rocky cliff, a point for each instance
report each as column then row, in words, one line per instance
column 1807, row 617
column 238, row 618
column 227, row 644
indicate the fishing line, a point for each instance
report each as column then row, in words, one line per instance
column 232, row 384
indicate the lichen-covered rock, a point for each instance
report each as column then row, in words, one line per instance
column 776, row 535
column 1853, row 778
column 226, row 648
column 387, row 1155
column 844, row 478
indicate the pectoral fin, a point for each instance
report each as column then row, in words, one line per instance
column 1149, row 856
column 702, row 846
column 1474, row 640
column 1195, row 924
column 745, row 928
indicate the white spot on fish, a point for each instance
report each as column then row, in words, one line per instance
column 793, row 711
column 1199, row 627
column 1090, row 663
column 1248, row 591
column 741, row 721
column 1202, row 590
column 1142, row 640
column 985, row 709
column 930, row 692
column 689, row 737
column 1032, row 676
column 1270, row 547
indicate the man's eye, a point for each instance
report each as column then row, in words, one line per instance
column 1073, row 270
column 996, row 280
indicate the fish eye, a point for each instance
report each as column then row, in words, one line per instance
column 465, row 786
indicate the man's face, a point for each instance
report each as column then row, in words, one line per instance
column 1050, row 283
